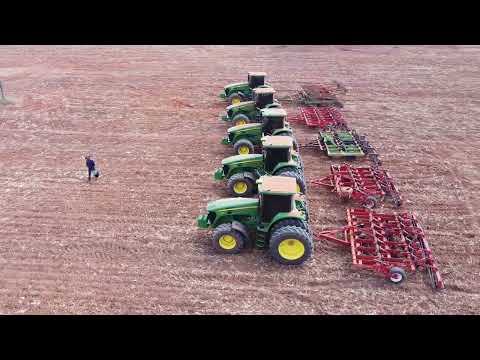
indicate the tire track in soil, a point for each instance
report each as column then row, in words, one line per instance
column 158, row 178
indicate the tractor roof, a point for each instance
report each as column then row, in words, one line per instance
column 277, row 141
column 257, row 73
column 279, row 185
column 264, row 90
column 273, row 112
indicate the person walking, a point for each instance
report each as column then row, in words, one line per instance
column 91, row 167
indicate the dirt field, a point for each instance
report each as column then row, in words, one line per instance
column 128, row 243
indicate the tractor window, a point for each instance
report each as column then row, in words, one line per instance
column 256, row 81
column 273, row 156
column 263, row 100
column 273, row 204
column 272, row 123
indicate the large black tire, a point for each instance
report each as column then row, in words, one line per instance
column 295, row 144
column 240, row 119
column 291, row 245
column 289, row 222
column 235, row 97
column 240, row 185
column 226, row 240
column 297, row 175
column 243, row 147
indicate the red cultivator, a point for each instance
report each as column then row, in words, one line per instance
column 316, row 94
column 367, row 185
column 321, row 117
column 389, row 244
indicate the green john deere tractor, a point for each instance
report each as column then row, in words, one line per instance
column 245, row 138
column 277, row 158
column 238, row 92
column 249, row 111
column 277, row 220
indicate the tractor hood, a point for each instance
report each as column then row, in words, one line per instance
column 231, row 203
column 240, row 105
column 241, row 158
column 239, row 84
column 243, row 127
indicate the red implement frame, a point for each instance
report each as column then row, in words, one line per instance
column 319, row 91
column 389, row 244
column 367, row 185
column 321, row 117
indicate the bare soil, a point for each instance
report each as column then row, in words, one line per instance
column 128, row 243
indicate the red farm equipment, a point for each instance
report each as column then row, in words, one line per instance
column 316, row 94
column 321, row 117
column 389, row 244
column 366, row 185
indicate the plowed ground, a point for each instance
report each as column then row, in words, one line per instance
column 128, row 243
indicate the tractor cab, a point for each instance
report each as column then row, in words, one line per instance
column 256, row 79
column 263, row 97
column 276, row 194
column 276, row 149
column 272, row 119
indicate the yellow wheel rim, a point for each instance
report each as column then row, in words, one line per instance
column 291, row 249
column 298, row 189
column 240, row 187
column 243, row 150
column 236, row 101
column 227, row 242
column 241, row 122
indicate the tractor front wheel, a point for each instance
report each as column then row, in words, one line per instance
column 240, row 185
column 235, row 99
column 243, row 147
column 291, row 245
column 240, row 119
column 226, row 240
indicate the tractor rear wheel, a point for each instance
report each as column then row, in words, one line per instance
column 240, row 119
column 291, row 245
column 240, row 185
column 226, row 240
column 301, row 186
column 235, row 98
column 243, row 147
column 289, row 222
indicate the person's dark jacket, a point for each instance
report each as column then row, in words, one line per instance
column 91, row 164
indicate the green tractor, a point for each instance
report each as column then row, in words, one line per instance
column 277, row 221
column 249, row 111
column 238, row 92
column 277, row 158
column 245, row 138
